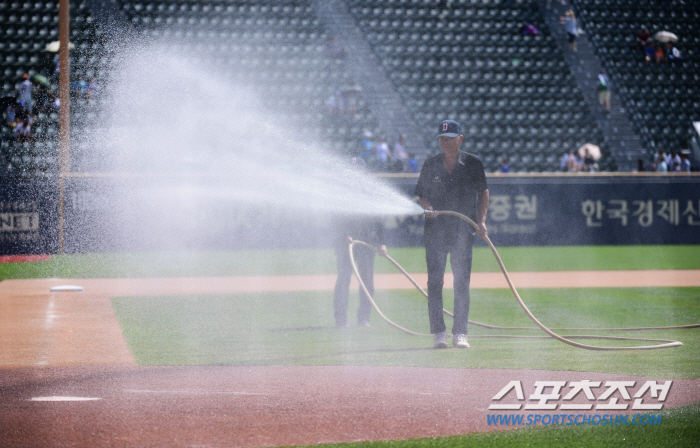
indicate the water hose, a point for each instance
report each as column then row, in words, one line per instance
column 567, row 339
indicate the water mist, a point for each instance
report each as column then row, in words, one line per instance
column 180, row 141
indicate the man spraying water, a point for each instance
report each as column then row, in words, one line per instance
column 454, row 181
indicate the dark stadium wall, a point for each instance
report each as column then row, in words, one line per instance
column 585, row 210
column 528, row 210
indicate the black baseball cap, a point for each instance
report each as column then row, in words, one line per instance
column 449, row 128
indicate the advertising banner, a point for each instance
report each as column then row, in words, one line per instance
column 29, row 218
column 580, row 210
column 127, row 214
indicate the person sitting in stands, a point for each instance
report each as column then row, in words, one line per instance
column 399, row 155
column 643, row 38
column 366, row 147
column 572, row 164
column 661, row 166
column 412, row 163
column 684, row 166
column 603, row 89
column 383, row 152
column 10, row 114
column 589, row 164
column 571, row 26
column 23, row 131
column 21, row 113
column 640, row 166
column 92, row 90
column 673, row 55
column 649, row 51
column 659, row 55
column 673, row 161
column 529, row 29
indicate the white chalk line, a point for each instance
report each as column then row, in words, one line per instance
column 63, row 398
column 193, row 392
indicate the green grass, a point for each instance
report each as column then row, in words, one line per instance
column 679, row 428
column 297, row 329
column 322, row 261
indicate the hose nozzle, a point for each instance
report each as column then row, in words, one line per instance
column 429, row 212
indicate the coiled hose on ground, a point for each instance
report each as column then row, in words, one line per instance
column 567, row 339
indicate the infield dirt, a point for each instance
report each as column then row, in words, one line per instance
column 70, row 344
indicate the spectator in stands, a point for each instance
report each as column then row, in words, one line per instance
column 660, row 153
column 366, row 147
column 649, row 50
column 673, row 55
column 504, row 165
column 603, row 89
column 562, row 163
column 23, row 131
column 21, row 113
column 10, row 112
column 78, row 87
column 383, row 152
column 673, row 161
column 643, row 38
column 588, row 164
column 43, row 99
column 661, row 166
column 529, row 29
column 92, row 90
column 399, row 155
column 412, row 163
column 25, row 93
column 640, row 166
column 659, row 54
column 571, row 26
column 684, row 166
column 571, row 164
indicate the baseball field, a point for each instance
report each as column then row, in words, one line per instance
column 239, row 349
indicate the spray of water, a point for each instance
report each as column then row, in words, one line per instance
column 168, row 115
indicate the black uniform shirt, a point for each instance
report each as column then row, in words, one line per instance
column 458, row 191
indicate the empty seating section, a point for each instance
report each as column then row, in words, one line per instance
column 513, row 93
column 663, row 99
column 279, row 48
column 26, row 27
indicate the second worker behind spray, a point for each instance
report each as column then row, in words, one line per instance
column 362, row 228
column 452, row 180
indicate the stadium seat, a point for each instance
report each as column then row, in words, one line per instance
column 484, row 70
column 653, row 93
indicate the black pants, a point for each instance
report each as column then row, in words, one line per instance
column 365, row 265
column 456, row 241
